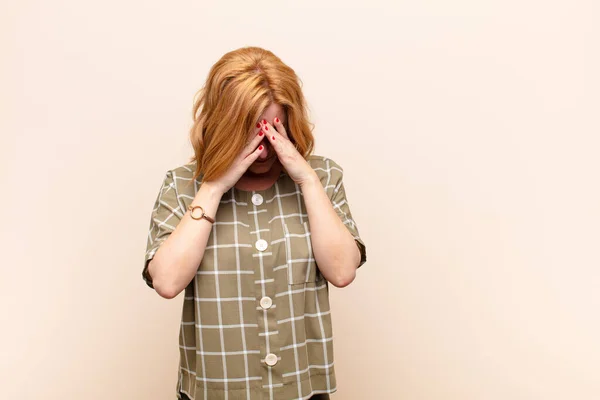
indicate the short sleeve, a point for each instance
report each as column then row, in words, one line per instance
column 166, row 214
column 337, row 194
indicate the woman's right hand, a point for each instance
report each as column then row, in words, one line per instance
column 240, row 165
column 176, row 261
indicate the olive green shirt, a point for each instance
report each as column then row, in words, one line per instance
column 256, row 321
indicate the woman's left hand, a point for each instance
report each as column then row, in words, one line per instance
column 293, row 162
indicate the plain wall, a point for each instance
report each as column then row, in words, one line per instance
column 469, row 135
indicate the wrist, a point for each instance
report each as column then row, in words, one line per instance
column 312, row 181
column 211, row 189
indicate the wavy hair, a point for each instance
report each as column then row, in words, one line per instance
column 239, row 88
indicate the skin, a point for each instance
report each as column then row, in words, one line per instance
column 176, row 262
column 261, row 175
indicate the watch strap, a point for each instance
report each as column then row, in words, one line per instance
column 206, row 217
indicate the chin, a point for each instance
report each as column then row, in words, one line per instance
column 260, row 169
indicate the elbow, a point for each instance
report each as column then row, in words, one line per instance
column 346, row 271
column 344, row 278
column 166, row 291
column 346, row 267
column 165, row 287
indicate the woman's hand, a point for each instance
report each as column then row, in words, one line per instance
column 242, row 162
column 293, row 162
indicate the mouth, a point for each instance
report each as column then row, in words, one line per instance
column 266, row 160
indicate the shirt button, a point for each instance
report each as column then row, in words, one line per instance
column 257, row 199
column 261, row 245
column 271, row 359
column 266, row 302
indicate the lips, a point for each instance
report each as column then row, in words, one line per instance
column 264, row 161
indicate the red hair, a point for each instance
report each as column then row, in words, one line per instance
column 239, row 87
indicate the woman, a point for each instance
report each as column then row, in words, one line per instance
column 253, row 228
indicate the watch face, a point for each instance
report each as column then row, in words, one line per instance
column 197, row 213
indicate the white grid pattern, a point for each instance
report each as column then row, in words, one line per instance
column 262, row 282
column 290, row 298
column 225, row 333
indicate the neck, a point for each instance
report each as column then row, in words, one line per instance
column 250, row 181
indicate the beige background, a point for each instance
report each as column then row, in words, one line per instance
column 468, row 131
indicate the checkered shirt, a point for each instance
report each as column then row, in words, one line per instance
column 256, row 321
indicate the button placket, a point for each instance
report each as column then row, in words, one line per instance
column 265, row 287
column 257, row 200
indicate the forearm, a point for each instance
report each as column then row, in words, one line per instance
column 176, row 262
column 334, row 247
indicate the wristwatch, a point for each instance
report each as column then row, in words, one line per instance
column 199, row 214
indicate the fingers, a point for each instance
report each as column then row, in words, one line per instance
column 251, row 146
column 279, row 127
column 253, row 156
column 274, row 137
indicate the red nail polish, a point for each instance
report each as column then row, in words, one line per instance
column 276, row 119
column 264, row 121
column 258, row 124
column 260, row 147
column 273, row 138
column 261, row 133
column 266, row 128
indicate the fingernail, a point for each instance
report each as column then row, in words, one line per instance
column 261, row 133
column 273, row 138
column 276, row 119
column 258, row 124
column 260, row 147
column 264, row 121
column 266, row 128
